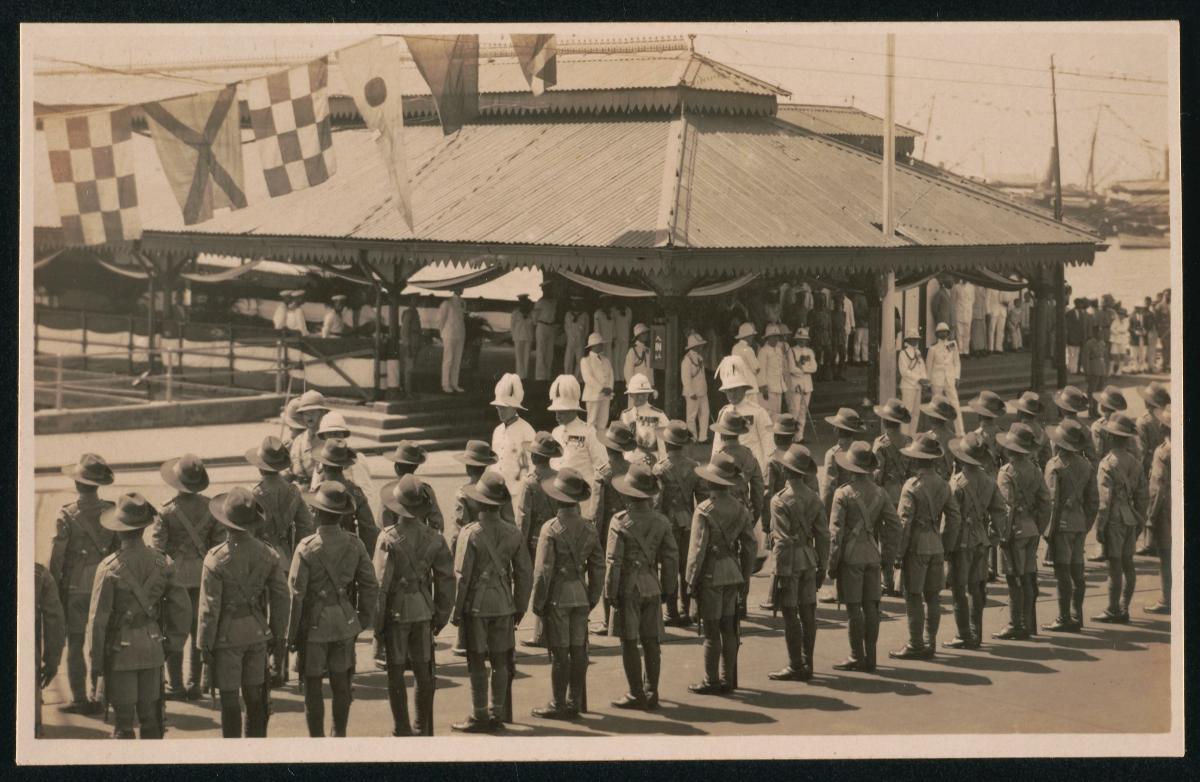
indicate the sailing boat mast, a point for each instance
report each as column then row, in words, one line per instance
column 1089, row 183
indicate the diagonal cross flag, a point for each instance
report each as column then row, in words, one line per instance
column 450, row 66
column 199, row 143
column 538, row 56
column 371, row 72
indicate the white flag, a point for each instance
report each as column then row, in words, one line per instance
column 372, row 75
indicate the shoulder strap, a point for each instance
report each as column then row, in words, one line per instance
column 862, row 510
column 319, row 557
column 641, row 544
column 244, row 590
column 76, row 521
column 139, row 593
column 190, row 529
column 497, row 562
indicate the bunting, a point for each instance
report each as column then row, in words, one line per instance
column 199, row 143
column 450, row 66
column 91, row 165
column 538, row 56
column 289, row 112
column 371, row 72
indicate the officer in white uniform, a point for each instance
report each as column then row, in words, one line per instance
column 337, row 321
column 452, row 326
column 576, row 328
column 944, row 368
column 602, row 324
column 964, row 311
column 637, row 358
column 512, row 433
column 597, row 374
column 622, row 320
column 736, row 381
column 800, row 366
column 771, row 364
column 644, row 418
column 913, row 376
column 694, row 385
column 744, row 349
column 582, row 450
column 522, row 328
column 545, row 319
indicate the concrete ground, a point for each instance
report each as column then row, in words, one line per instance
column 1063, row 683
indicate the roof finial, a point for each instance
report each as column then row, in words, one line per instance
column 692, row 43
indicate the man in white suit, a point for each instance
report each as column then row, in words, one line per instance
column 944, row 368
column 597, row 373
column 913, row 376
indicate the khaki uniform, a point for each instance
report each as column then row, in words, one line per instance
column 720, row 559
column 1149, row 437
column 800, row 544
column 362, row 521
column 534, row 507
column 494, row 574
column 987, row 431
column 1158, row 513
column 642, row 565
column 891, row 475
column 568, row 577
column 677, row 501
column 833, row 476
column 930, row 525
column 1023, row 488
column 1119, row 522
column 287, row 519
column 185, row 531
column 138, row 608
column 49, row 633
column 609, row 501
column 982, row 509
column 761, row 438
column 435, row 519
column 303, row 464
column 1074, row 500
column 416, row 594
column 243, row 610
column 334, row 594
column 79, row 545
column 749, row 490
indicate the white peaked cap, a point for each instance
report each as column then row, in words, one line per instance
column 510, row 392
column 734, row 373
column 565, row 393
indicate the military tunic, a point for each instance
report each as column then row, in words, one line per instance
column 833, row 476
column 138, row 607
column 1074, row 499
column 79, row 545
column 1158, row 512
column 466, row 512
column 892, row 473
column 865, row 530
column 494, row 575
column 333, row 598
column 677, row 501
column 799, row 544
column 1023, row 488
column 761, row 438
column 609, row 501
column 1149, row 436
column 721, row 555
column 987, row 432
column 49, row 633
column 568, row 577
column 944, row 432
column 930, row 525
column 982, row 510
column 534, row 507
column 243, row 609
column 642, row 565
column 416, row 590
column 777, row 479
column 749, row 490
column 1123, row 500
column 286, row 517
column 185, row 531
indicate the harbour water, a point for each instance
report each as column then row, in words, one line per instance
column 1129, row 275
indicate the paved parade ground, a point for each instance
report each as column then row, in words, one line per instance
column 1054, row 683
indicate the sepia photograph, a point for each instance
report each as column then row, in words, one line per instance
column 599, row 391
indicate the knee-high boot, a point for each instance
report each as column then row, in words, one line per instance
column 855, row 620
column 256, row 712
column 314, row 706
column 1029, row 594
column 231, row 715
column 729, row 650
column 123, row 718
column 915, row 606
column 933, row 620
column 712, row 653
column 1016, row 610
column 653, row 654
column 870, row 634
column 340, row 684
column 631, row 660
column 578, row 678
column 1078, row 592
column 962, row 615
column 424, row 687
column 978, row 601
column 149, row 720
column 499, row 693
column 808, row 621
column 398, row 701
column 560, row 663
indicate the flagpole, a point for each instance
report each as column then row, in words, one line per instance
column 887, row 327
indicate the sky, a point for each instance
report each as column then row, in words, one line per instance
column 984, row 93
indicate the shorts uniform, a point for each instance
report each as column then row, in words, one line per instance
column 240, row 666
column 859, row 582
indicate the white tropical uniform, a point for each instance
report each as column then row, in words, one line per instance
column 911, row 364
column 800, row 365
column 998, row 315
column 848, row 313
column 522, row 337
column 452, row 325
column 602, row 324
column 622, row 325
column 546, row 331
column 964, row 311
column 335, row 323
column 597, row 374
column 508, row 441
column 290, row 318
column 575, row 326
column 645, row 421
column 770, row 363
column 695, row 394
column 584, row 453
column 761, row 438
column 743, row 349
column 637, row 362
column 944, row 368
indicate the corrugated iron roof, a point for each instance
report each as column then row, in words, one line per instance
column 837, row 120
column 499, row 75
column 745, row 182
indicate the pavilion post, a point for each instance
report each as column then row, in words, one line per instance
column 1037, row 334
column 887, row 330
column 393, row 346
column 671, row 356
column 1060, row 324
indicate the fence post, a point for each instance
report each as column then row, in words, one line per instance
column 279, row 369
column 170, row 378
column 232, row 370
column 131, row 344
column 58, row 379
column 83, row 331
